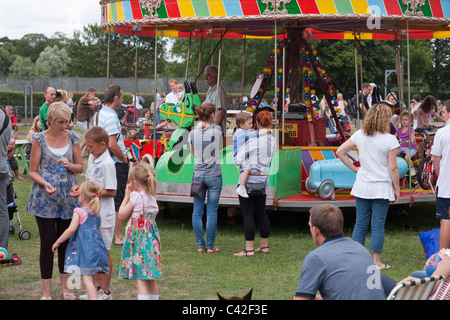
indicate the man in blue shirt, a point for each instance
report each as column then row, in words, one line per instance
column 340, row 268
column 108, row 120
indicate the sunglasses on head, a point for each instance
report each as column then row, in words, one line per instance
column 117, row 92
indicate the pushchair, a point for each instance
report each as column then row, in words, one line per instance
column 131, row 115
column 13, row 223
column 12, row 208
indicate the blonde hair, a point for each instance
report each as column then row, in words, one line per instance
column 144, row 174
column 58, row 110
column 377, row 119
column 92, row 192
column 36, row 122
column 64, row 94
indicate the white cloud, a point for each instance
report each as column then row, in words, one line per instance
column 20, row 17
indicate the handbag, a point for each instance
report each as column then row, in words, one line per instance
column 197, row 188
column 256, row 189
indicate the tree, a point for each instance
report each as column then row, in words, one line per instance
column 22, row 68
column 7, row 57
column 31, row 45
column 52, row 62
column 88, row 52
column 438, row 74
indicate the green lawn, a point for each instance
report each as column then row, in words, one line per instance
column 188, row 275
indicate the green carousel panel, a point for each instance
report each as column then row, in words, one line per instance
column 175, row 169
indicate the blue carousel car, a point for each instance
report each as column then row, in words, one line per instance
column 327, row 175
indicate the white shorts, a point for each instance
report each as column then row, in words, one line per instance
column 108, row 234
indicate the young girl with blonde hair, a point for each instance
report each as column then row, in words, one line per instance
column 141, row 253
column 86, row 253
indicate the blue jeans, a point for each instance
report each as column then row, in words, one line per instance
column 373, row 212
column 213, row 187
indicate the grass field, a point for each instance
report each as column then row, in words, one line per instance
column 188, row 275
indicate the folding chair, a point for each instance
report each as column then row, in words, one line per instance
column 443, row 291
column 420, row 289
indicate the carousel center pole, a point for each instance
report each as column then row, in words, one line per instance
column 199, row 58
column 188, row 57
column 155, row 86
column 107, row 58
column 243, row 73
column 135, row 78
column 409, row 117
column 356, row 82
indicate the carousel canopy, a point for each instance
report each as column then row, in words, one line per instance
column 323, row 19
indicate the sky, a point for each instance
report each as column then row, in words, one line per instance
column 20, row 17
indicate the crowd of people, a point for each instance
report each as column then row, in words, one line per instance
column 81, row 222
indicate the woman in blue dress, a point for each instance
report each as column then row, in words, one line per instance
column 55, row 159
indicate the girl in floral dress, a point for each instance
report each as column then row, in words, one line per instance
column 141, row 253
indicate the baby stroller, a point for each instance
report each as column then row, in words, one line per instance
column 131, row 116
column 23, row 234
column 12, row 208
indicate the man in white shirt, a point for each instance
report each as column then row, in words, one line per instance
column 136, row 102
column 172, row 97
column 217, row 97
column 440, row 155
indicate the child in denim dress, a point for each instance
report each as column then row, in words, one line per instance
column 86, row 252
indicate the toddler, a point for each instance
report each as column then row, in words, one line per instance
column 86, row 252
column 244, row 132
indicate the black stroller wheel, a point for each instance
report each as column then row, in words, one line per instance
column 24, row 235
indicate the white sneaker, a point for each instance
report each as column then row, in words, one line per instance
column 413, row 172
column 242, row 191
column 101, row 295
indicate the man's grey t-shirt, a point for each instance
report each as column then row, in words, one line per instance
column 340, row 269
column 207, row 145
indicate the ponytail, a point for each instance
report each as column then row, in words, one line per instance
column 205, row 112
column 92, row 192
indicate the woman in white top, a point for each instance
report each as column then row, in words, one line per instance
column 377, row 179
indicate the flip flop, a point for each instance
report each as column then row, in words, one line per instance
column 245, row 253
column 384, row 267
column 201, row 250
column 212, row 250
column 261, row 249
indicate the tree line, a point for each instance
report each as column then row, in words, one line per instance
column 84, row 54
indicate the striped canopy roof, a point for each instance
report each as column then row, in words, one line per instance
column 325, row 19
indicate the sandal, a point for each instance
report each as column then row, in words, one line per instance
column 201, row 250
column 383, row 266
column 68, row 296
column 264, row 250
column 212, row 250
column 245, row 253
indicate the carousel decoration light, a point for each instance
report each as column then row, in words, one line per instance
column 268, row 72
column 310, row 68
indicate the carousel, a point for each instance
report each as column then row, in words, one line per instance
column 305, row 169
